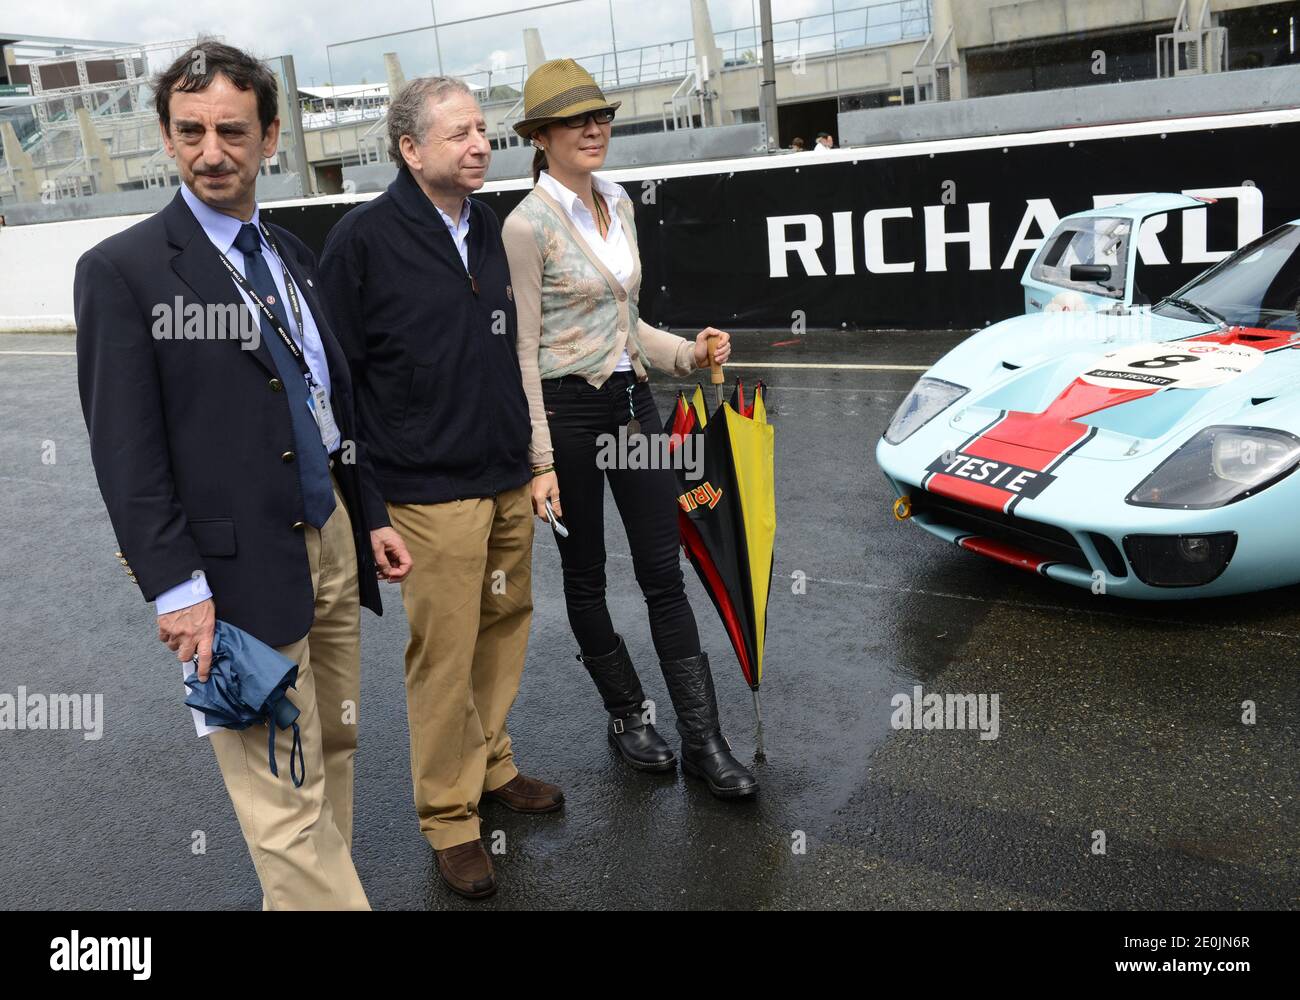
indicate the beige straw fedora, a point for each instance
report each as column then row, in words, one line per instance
column 557, row 89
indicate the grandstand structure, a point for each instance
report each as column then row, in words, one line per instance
column 78, row 125
column 78, row 135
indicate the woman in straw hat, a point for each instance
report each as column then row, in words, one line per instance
column 583, row 352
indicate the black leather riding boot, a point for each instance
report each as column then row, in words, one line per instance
column 620, row 689
column 705, row 751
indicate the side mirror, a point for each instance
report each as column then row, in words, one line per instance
column 1090, row 272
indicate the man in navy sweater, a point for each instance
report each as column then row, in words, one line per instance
column 420, row 283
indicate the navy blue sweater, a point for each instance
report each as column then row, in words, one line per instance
column 440, row 400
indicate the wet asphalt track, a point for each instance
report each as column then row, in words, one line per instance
column 1116, row 717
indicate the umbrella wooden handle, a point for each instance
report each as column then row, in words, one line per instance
column 715, row 370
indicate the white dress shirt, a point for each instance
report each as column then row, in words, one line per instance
column 459, row 231
column 615, row 250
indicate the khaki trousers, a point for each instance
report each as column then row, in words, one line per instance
column 301, row 838
column 469, row 601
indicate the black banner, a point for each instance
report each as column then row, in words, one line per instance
column 924, row 241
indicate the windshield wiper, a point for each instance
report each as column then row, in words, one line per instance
column 1195, row 307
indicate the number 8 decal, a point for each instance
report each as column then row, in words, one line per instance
column 1155, row 366
column 1164, row 361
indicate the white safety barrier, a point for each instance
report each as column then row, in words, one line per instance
column 36, row 268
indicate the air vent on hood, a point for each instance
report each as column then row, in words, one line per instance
column 1009, row 366
column 1256, row 400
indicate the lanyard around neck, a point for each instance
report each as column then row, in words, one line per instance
column 243, row 283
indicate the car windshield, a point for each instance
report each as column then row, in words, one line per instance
column 1258, row 286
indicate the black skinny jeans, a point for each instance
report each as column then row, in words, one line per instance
column 647, row 503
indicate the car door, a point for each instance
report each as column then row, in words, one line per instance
column 1089, row 260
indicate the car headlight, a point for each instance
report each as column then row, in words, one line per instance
column 928, row 398
column 1219, row 466
column 1180, row 560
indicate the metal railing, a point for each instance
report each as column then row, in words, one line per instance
column 680, row 109
column 506, row 134
column 930, row 75
column 811, row 35
column 1188, row 51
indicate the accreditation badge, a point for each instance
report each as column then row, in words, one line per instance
column 324, row 414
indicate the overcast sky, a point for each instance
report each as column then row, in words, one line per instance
column 307, row 29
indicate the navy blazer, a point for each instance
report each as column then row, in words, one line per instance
column 191, row 439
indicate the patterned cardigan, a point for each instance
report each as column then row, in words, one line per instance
column 574, row 317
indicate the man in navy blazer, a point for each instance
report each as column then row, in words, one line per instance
column 221, row 421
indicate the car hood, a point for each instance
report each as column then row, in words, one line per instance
column 1134, row 382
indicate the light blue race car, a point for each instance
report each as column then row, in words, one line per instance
column 1139, row 451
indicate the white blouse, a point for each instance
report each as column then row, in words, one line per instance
column 614, row 251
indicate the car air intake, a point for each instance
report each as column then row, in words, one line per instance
column 1047, row 540
column 1110, row 554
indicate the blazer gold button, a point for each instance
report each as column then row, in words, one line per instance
column 276, row 385
column 287, row 457
column 298, row 525
column 118, row 554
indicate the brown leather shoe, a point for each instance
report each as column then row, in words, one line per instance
column 467, row 870
column 527, row 795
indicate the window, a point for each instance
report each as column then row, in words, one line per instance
column 1100, row 240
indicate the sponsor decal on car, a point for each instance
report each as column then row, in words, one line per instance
column 1002, row 475
column 1181, row 365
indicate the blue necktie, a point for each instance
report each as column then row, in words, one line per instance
column 313, row 463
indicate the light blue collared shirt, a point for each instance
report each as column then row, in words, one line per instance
column 221, row 230
column 459, row 231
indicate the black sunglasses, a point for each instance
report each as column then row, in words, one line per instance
column 602, row 117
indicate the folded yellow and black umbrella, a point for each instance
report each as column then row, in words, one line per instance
column 728, row 517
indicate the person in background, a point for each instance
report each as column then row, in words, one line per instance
column 583, row 351
column 797, row 144
column 419, row 279
column 825, row 142
column 232, row 476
